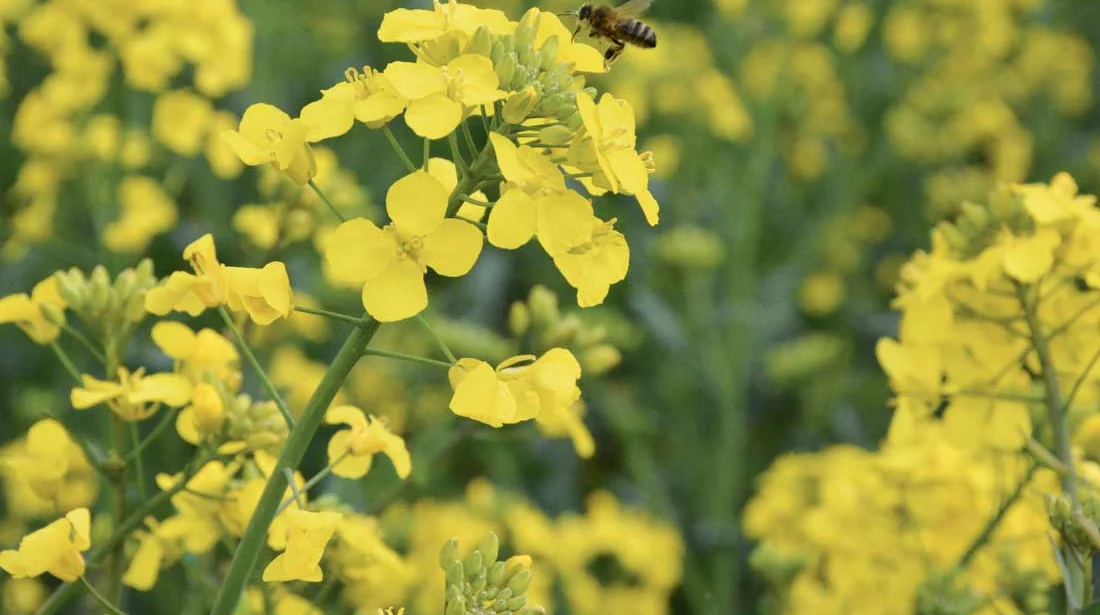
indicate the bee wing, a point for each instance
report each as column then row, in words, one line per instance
column 633, row 8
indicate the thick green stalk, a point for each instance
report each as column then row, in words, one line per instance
column 255, row 535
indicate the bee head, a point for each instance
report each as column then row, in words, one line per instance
column 584, row 12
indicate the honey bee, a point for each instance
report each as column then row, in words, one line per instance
column 618, row 25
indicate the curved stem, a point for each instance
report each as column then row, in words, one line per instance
column 66, row 362
column 310, row 484
column 396, row 145
column 252, row 541
column 995, row 521
column 438, row 340
column 389, row 354
column 268, row 385
column 327, row 314
column 114, row 610
column 84, row 341
column 317, row 189
column 161, row 425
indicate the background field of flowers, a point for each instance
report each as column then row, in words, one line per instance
column 804, row 150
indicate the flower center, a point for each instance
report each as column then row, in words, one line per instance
column 274, row 136
column 454, row 81
column 408, row 247
column 618, row 138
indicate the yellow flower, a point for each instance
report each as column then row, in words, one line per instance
column 441, row 97
column 265, row 294
column 53, row 467
column 534, row 189
column 27, row 312
column 350, row 451
column 390, row 263
column 307, row 535
column 268, row 136
column 204, row 417
column 1029, row 258
column 130, row 396
column 447, row 173
column 414, row 26
column 366, row 96
column 146, row 210
column 588, row 251
column 1058, row 201
column 181, row 120
column 610, row 140
column 583, row 58
column 522, row 388
column 222, row 159
column 202, row 355
column 55, row 549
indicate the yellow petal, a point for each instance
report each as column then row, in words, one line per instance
column 357, row 251
column 453, row 248
column 408, row 25
column 145, row 567
column 246, row 150
column 94, row 392
column 331, row 116
column 346, row 415
column 175, row 339
column 397, row 293
column 81, row 520
column 414, row 80
column 482, row 397
column 417, row 204
column 445, row 171
column 350, row 465
column 399, row 454
column 172, row 389
column 512, row 220
column 433, row 117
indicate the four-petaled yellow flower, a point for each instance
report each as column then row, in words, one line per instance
column 55, row 549
column 534, row 189
column 350, row 451
column 390, row 263
column 365, row 96
column 414, row 25
column 265, row 294
column 440, row 97
column 307, row 535
column 522, row 388
column 267, row 135
column 609, row 151
column 28, row 312
column 589, row 252
column 131, row 395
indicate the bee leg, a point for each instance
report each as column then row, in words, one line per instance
column 575, row 33
column 613, row 52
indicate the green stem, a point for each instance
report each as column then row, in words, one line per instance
column 255, row 535
column 310, row 484
column 163, row 424
column 139, row 463
column 456, row 153
column 317, row 189
column 66, row 591
column 268, row 385
column 427, row 154
column 478, row 172
column 117, row 565
column 66, row 362
column 471, row 200
column 327, row 314
column 995, row 521
column 438, row 340
column 114, row 610
column 469, row 137
column 398, row 149
column 295, row 496
column 389, row 354
column 84, row 341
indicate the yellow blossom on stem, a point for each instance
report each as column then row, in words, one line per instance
column 366, row 96
column 414, row 25
column 145, row 210
column 350, row 451
column 181, row 120
column 27, row 312
column 390, row 262
column 534, row 189
column 206, row 354
column 440, row 97
column 307, row 535
column 53, row 466
column 610, row 142
column 55, row 549
column 131, row 395
column 267, row 135
column 589, row 252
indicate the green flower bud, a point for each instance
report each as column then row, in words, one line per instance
column 525, row 35
column 549, row 53
column 71, row 287
column 544, row 306
column 516, row 603
column 534, row 610
column 520, row 582
column 481, row 43
column 473, row 563
column 478, row 583
column 529, row 58
column 600, row 359
column 564, row 332
column 99, row 291
column 126, row 283
column 530, row 19
column 519, row 105
column 52, row 314
column 504, row 595
column 506, row 67
column 449, row 553
column 145, row 275
column 455, row 573
column 456, row 607
column 553, row 104
column 496, row 575
column 556, row 135
column 489, row 549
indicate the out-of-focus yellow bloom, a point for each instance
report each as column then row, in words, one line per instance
column 22, row 596
column 350, row 451
column 414, row 26
column 145, row 211
column 267, row 135
column 131, row 395
column 609, row 127
column 589, row 252
column 55, row 549
column 223, row 161
column 441, row 97
column 202, row 355
column 265, row 294
column 181, row 121
column 27, row 312
column 307, row 535
column 390, row 263
column 47, row 471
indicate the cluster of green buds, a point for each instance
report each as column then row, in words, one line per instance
column 691, row 248
column 540, row 325
column 943, row 593
column 977, row 226
column 1076, row 525
column 256, row 423
column 480, row 585
column 110, row 308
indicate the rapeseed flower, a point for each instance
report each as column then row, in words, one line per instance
column 441, row 97
column 588, row 251
column 55, row 549
column 130, row 396
column 367, row 96
column 415, row 25
column 267, row 135
column 47, row 471
column 390, row 262
column 351, row 451
column 29, row 313
column 145, row 210
column 307, row 535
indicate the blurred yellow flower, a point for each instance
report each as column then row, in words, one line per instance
column 390, row 263
column 350, row 451
column 55, row 549
column 267, row 135
column 223, row 161
column 589, row 252
column 52, row 466
column 129, row 397
column 181, row 121
column 307, row 535
column 145, row 210
column 441, row 97
column 28, row 312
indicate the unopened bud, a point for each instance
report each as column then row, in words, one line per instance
column 519, row 319
column 481, row 43
column 472, row 563
column 556, row 135
column 504, row 594
column 449, row 553
column 455, row 573
column 525, row 34
column 516, row 603
column 208, row 408
column 544, row 306
column 489, row 548
column 53, row 314
column 456, row 607
column 520, row 582
column 506, row 67
column 70, row 285
column 520, row 105
column 126, row 283
column 496, row 574
column 549, row 52
column 600, row 359
column 530, row 19
column 98, row 291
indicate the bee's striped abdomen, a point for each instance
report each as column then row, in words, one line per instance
column 635, row 32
